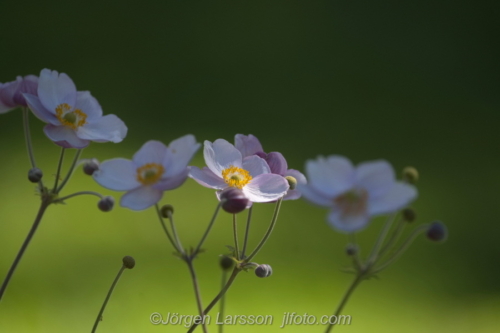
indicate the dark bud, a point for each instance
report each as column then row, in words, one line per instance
column 351, row 249
column 233, row 200
column 167, row 210
column 263, row 271
column 128, row 262
column 409, row 215
column 35, row 175
column 226, row 263
column 91, row 166
column 410, row 175
column 106, row 204
column 437, row 232
column 292, row 182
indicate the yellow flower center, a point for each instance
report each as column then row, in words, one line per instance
column 236, row 177
column 353, row 202
column 150, row 173
column 70, row 118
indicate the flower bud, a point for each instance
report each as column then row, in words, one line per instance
column 91, row 166
column 233, row 200
column 437, row 232
column 410, row 175
column 35, row 175
column 263, row 271
column 128, row 262
column 409, row 215
column 292, row 182
column 351, row 249
column 167, row 210
column 106, row 204
column 226, row 263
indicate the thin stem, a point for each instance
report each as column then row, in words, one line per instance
column 158, row 212
column 60, row 200
column 383, row 233
column 29, row 143
column 41, row 211
column 235, row 235
column 99, row 316
column 268, row 233
column 174, row 231
column 189, row 262
column 247, row 232
column 229, row 282
column 222, row 300
column 210, row 225
column 71, row 169
column 394, row 237
column 343, row 302
column 59, row 166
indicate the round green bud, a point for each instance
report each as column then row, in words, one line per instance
column 128, row 262
column 351, row 249
column 226, row 263
column 167, row 210
column 409, row 215
column 292, row 182
column 410, row 175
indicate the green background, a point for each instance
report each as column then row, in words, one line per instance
column 414, row 83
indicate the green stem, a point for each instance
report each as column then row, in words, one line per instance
column 197, row 293
column 60, row 200
column 70, row 171
column 235, row 235
column 247, row 232
column 45, row 203
column 174, row 231
column 29, row 143
column 210, row 225
column 158, row 212
column 394, row 237
column 59, row 166
column 99, row 316
column 222, row 300
column 380, row 240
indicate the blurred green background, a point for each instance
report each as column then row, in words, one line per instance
column 414, row 83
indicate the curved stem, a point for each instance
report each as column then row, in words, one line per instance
column 247, row 232
column 174, row 231
column 197, row 293
column 235, row 236
column 59, row 166
column 41, row 211
column 71, row 169
column 29, row 143
column 60, row 200
column 99, row 316
column 268, row 233
column 380, row 240
column 158, row 212
column 210, row 225
column 394, row 237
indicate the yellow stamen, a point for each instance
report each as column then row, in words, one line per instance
column 71, row 118
column 236, row 177
column 150, row 173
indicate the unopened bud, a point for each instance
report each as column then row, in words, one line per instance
column 167, row 210
column 437, row 232
column 226, row 263
column 233, row 200
column 91, row 166
column 263, row 271
column 128, row 262
column 409, row 215
column 351, row 249
column 292, row 182
column 35, row 175
column 410, row 175
column 106, row 204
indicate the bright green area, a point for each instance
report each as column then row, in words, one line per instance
column 415, row 84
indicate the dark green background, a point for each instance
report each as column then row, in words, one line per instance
column 414, row 83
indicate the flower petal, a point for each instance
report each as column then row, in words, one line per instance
column 118, row 174
column 398, row 196
column 181, row 152
column 207, row 178
column 151, row 152
column 55, row 89
column 347, row 223
column 174, row 182
column 277, row 163
column 255, row 165
column 40, row 111
column 221, row 155
column 332, row 176
column 265, row 188
column 141, row 198
column 314, row 196
column 64, row 136
column 247, row 145
column 104, row 129
column 86, row 103
column 377, row 177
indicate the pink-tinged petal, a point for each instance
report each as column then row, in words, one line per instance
column 314, row 196
column 29, row 85
column 255, row 165
column 181, row 151
column 207, row 178
column 64, row 136
column 40, row 111
column 221, row 155
column 301, row 180
column 117, row 174
column 265, row 188
column 86, row 103
column 151, row 152
column 141, row 198
column 174, row 182
column 347, row 223
column 55, row 89
column 377, row 177
column 398, row 196
column 332, row 175
column 107, row 128
column 247, row 144
column 277, row 163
